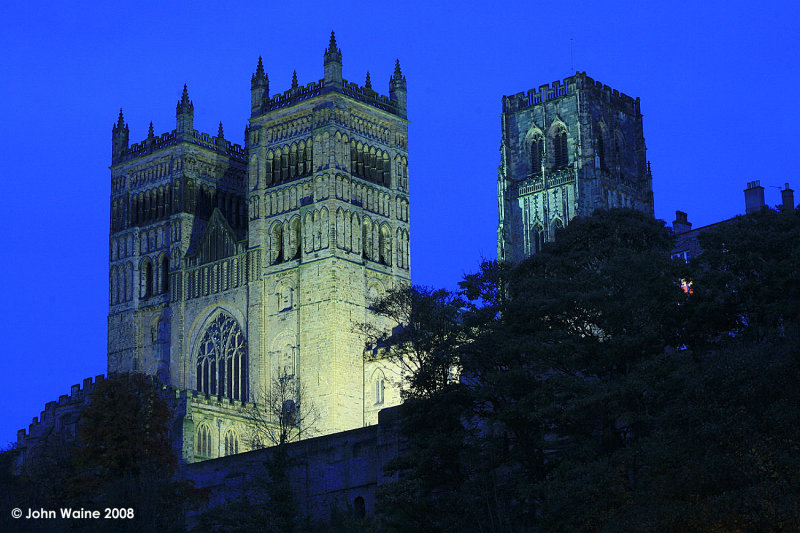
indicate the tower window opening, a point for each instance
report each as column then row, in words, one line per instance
column 561, row 159
column 537, row 149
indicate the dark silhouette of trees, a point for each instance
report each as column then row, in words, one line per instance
column 596, row 394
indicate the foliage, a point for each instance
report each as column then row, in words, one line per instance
column 424, row 336
column 580, row 408
column 747, row 280
column 124, row 456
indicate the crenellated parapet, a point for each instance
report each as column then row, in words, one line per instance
column 183, row 132
column 172, row 138
column 559, row 88
column 55, row 413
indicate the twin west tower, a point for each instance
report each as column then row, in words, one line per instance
column 235, row 267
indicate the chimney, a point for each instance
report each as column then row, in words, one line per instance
column 753, row 197
column 681, row 223
column 787, row 199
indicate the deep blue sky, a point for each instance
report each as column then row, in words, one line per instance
column 717, row 80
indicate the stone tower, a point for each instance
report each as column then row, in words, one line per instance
column 233, row 267
column 328, row 191
column 567, row 149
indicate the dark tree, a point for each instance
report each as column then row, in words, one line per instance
column 125, row 459
column 747, row 280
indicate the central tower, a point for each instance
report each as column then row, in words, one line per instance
column 568, row 149
column 328, row 214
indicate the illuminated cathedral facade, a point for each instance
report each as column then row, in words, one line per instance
column 233, row 267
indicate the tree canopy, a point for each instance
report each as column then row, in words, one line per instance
column 587, row 401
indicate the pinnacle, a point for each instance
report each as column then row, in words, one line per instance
column 294, row 79
column 397, row 73
column 332, row 45
column 368, row 82
column 260, row 68
column 121, row 120
column 185, row 95
column 150, row 130
column 219, row 134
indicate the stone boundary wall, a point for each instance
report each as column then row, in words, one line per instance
column 327, row 474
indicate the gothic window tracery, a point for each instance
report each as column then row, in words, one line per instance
column 222, row 359
column 203, row 443
column 231, row 442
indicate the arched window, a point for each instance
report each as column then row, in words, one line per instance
column 561, row 158
column 619, row 148
column 537, row 151
column 146, row 279
column 359, row 508
column 203, row 442
column 222, row 359
column 295, row 249
column 163, row 274
column 385, row 245
column 367, row 239
column 288, row 364
column 601, row 153
column 537, row 239
column 380, row 385
column 276, row 243
column 557, row 225
column 231, row 442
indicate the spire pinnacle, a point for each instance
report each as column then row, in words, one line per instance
column 219, row 133
column 121, row 120
column 368, row 82
column 185, row 105
column 332, row 53
column 332, row 45
column 150, row 133
column 260, row 68
column 397, row 89
column 294, row 79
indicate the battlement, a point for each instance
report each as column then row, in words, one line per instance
column 351, row 89
column 579, row 82
column 72, row 401
column 152, row 144
column 212, row 400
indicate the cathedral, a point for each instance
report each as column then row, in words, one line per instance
column 234, row 267
column 567, row 149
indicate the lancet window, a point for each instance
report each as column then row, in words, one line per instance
column 561, row 157
column 222, row 359
column 203, row 443
column 231, row 442
column 537, row 151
